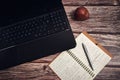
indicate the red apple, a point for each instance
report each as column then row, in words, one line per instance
column 81, row 13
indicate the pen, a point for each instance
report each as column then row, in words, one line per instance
column 88, row 57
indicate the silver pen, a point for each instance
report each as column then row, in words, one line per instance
column 88, row 57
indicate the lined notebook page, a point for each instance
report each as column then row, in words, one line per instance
column 73, row 64
column 98, row 57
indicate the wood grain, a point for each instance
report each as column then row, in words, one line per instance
column 28, row 71
column 103, row 25
column 109, row 73
column 41, row 71
column 91, row 2
column 103, row 19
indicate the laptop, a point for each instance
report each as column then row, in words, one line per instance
column 32, row 29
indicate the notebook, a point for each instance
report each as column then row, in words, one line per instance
column 83, row 62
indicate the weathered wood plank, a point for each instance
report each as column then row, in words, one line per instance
column 41, row 71
column 28, row 71
column 109, row 73
column 103, row 19
column 91, row 2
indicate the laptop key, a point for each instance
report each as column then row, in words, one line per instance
column 37, row 27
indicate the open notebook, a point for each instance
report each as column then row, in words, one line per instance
column 83, row 62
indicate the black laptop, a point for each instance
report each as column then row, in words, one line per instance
column 31, row 29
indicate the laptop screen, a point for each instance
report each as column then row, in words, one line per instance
column 12, row 11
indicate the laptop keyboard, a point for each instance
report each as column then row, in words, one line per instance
column 37, row 27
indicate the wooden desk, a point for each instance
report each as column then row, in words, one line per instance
column 103, row 25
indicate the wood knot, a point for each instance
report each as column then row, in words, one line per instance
column 44, row 67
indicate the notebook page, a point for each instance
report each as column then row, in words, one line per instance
column 97, row 56
column 68, row 69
